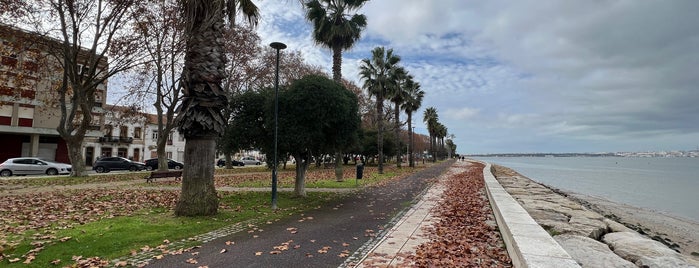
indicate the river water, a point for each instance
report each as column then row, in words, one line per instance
column 669, row 185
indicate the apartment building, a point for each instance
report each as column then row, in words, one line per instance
column 29, row 114
column 132, row 134
column 174, row 148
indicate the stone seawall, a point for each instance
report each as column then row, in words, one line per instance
column 590, row 238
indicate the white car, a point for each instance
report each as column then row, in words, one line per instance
column 32, row 166
column 249, row 160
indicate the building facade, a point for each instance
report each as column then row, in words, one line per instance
column 29, row 114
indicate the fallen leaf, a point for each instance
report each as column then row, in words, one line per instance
column 191, row 261
column 228, row 243
column 56, row 261
column 259, row 253
column 223, row 251
column 121, row 264
column 158, row 257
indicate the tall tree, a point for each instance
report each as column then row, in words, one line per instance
column 376, row 73
column 319, row 115
column 335, row 28
column 397, row 96
column 413, row 101
column 431, row 118
column 200, row 115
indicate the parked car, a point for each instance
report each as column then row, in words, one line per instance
column 152, row 164
column 222, row 163
column 249, row 160
column 32, row 166
column 106, row 164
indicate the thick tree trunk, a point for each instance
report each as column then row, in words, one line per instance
column 338, row 166
column 76, row 157
column 198, row 195
column 300, row 183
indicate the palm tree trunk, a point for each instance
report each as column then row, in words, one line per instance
column 411, row 159
column 337, row 77
column 198, row 196
column 300, row 182
column 379, row 134
column 397, row 132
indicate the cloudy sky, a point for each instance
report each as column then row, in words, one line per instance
column 533, row 76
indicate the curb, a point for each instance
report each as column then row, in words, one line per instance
column 528, row 244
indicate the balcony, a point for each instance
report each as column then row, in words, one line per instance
column 113, row 139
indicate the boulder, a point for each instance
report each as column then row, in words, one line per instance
column 591, row 253
column 644, row 251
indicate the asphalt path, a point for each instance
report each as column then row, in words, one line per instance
column 329, row 236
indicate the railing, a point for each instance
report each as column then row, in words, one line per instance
column 116, row 139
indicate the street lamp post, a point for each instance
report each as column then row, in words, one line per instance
column 278, row 46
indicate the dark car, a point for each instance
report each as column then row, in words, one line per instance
column 222, row 163
column 106, row 164
column 152, row 164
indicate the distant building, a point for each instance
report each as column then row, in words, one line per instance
column 132, row 134
column 174, row 148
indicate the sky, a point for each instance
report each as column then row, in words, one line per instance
column 532, row 75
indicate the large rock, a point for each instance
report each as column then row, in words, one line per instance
column 591, row 253
column 644, row 251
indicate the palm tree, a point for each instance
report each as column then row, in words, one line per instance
column 376, row 73
column 431, row 118
column 201, row 116
column 247, row 7
column 397, row 93
column 337, row 30
column 440, row 133
column 413, row 101
column 334, row 28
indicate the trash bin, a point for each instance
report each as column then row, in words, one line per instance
column 360, row 170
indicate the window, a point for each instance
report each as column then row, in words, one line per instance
column 108, row 130
column 181, row 137
column 169, row 155
column 123, row 131
column 137, row 133
column 154, row 136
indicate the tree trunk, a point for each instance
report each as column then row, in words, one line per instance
column 76, row 157
column 411, row 157
column 337, row 77
column 300, row 183
column 337, row 64
column 379, row 134
column 338, row 166
column 162, row 157
column 229, row 160
column 198, row 195
column 397, row 132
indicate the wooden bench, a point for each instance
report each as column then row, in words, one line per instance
column 177, row 174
